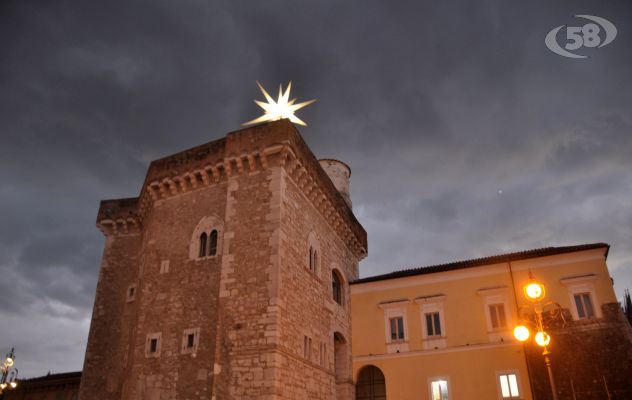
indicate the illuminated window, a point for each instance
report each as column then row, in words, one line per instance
column 212, row 248
column 584, row 306
column 509, row 386
column 439, row 389
column 202, row 251
column 397, row 328
column 433, row 324
column 497, row 316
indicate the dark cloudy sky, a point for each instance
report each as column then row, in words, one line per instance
column 466, row 136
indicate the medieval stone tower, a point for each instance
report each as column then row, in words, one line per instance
column 227, row 277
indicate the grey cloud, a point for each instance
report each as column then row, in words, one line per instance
column 436, row 106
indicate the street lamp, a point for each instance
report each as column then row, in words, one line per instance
column 535, row 293
column 9, row 372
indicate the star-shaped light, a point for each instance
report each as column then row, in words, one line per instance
column 280, row 109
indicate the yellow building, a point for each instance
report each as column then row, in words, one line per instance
column 445, row 332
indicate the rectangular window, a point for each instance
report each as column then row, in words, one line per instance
column 164, row 266
column 190, row 340
column 509, row 386
column 433, row 324
column 497, row 315
column 584, row 306
column 153, row 345
column 397, row 328
column 439, row 390
column 131, row 293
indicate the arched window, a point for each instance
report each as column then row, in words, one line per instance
column 202, row 252
column 371, row 384
column 212, row 247
column 336, row 286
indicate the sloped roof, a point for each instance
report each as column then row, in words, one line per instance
column 476, row 262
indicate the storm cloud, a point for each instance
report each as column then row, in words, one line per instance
column 466, row 136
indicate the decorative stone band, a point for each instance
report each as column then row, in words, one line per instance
column 125, row 216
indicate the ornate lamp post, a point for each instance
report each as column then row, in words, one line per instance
column 535, row 293
column 9, row 373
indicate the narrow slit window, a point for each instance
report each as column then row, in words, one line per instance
column 307, row 344
column 311, row 258
column 336, row 286
column 212, row 248
column 202, row 252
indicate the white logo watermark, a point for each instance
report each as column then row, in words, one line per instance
column 581, row 36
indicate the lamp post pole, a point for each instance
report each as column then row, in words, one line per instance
column 547, row 361
column 535, row 293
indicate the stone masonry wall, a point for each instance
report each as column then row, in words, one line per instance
column 176, row 298
column 245, row 290
column 591, row 360
column 113, row 320
column 306, row 304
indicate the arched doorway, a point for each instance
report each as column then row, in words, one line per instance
column 371, row 384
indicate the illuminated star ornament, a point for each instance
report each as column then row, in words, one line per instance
column 280, row 109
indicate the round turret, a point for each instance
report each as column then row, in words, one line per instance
column 339, row 173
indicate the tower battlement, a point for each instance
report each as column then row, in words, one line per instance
column 243, row 151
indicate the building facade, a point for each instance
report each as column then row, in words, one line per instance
column 234, row 275
column 227, row 277
column 64, row 386
column 445, row 332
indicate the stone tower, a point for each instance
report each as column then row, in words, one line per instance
column 227, row 277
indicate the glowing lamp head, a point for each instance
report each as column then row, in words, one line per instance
column 3, row 385
column 542, row 339
column 13, row 384
column 534, row 291
column 9, row 361
column 521, row 333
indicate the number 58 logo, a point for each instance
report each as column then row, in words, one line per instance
column 581, row 36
